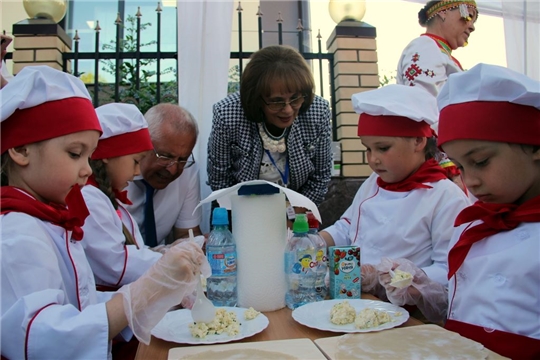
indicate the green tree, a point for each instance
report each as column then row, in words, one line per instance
column 145, row 97
column 387, row 79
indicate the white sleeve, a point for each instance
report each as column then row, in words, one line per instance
column 186, row 218
column 442, row 228
column 341, row 229
column 113, row 262
column 37, row 319
column 423, row 64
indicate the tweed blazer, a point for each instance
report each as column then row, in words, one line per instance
column 235, row 148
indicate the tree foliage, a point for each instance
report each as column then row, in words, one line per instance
column 145, row 97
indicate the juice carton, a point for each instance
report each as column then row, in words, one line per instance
column 344, row 267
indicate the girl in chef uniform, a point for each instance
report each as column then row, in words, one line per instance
column 112, row 241
column 490, row 127
column 50, row 308
column 407, row 207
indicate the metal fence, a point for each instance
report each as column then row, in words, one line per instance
column 121, row 61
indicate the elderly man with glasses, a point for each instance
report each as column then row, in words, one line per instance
column 167, row 191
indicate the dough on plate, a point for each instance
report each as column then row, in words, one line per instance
column 423, row 342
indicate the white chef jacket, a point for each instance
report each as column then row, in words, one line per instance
column 173, row 206
column 50, row 308
column 422, row 63
column 416, row 225
column 113, row 262
column 498, row 285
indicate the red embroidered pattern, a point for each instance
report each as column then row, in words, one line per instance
column 412, row 72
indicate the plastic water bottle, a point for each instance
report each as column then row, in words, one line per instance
column 299, row 261
column 221, row 254
column 320, row 257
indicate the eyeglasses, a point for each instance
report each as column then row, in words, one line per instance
column 166, row 161
column 280, row 105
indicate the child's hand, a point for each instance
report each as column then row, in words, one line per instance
column 430, row 296
column 5, row 41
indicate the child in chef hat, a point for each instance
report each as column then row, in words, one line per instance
column 49, row 129
column 490, row 127
column 407, row 207
column 115, row 249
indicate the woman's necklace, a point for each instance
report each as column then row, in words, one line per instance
column 270, row 142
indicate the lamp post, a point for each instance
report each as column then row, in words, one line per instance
column 45, row 40
column 53, row 10
column 343, row 10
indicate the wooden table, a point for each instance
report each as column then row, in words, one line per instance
column 282, row 326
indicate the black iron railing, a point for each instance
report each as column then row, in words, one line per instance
column 119, row 56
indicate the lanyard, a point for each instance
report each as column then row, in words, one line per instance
column 284, row 176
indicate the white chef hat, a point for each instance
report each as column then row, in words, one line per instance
column 491, row 103
column 125, row 131
column 395, row 110
column 42, row 103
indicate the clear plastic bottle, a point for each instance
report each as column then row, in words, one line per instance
column 299, row 261
column 321, row 267
column 221, row 254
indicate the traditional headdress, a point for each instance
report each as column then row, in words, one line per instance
column 490, row 103
column 42, row 103
column 395, row 110
column 446, row 5
column 125, row 131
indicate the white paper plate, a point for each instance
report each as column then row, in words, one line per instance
column 175, row 327
column 317, row 315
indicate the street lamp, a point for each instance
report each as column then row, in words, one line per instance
column 343, row 10
column 46, row 9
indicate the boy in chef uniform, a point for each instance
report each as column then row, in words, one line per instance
column 50, row 308
column 490, row 128
column 407, row 207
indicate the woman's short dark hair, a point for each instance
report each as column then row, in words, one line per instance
column 422, row 14
column 276, row 64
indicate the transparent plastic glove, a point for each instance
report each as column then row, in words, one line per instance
column 188, row 300
column 162, row 249
column 429, row 296
column 370, row 281
column 172, row 277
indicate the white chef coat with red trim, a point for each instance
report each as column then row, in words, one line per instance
column 422, row 63
column 415, row 225
column 498, row 285
column 113, row 262
column 50, row 308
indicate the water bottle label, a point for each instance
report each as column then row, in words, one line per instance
column 301, row 262
column 222, row 263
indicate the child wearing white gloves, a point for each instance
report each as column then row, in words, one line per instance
column 50, row 308
column 406, row 208
column 490, row 128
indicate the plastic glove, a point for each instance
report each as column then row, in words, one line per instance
column 370, row 281
column 429, row 296
column 170, row 279
column 162, row 249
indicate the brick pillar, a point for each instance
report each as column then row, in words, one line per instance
column 39, row 42
column 355, row 70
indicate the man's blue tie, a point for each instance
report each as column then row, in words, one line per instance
column 150, row 237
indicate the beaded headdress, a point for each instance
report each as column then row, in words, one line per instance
column 445, row 5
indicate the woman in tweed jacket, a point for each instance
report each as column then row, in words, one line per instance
column 274, row 129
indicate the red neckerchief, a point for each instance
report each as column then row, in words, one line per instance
column 70, row 218
column 496, row 218
column 122, row 196
column 444, row 46
column 430, row 171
